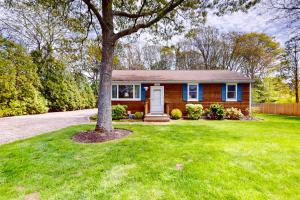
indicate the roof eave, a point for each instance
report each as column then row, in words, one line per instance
column 185, row 81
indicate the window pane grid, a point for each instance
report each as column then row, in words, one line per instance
column 193, row 91
column 123, row 91
column 231, row 92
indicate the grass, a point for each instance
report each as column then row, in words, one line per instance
column 220, row 160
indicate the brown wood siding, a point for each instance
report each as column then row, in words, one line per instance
column 173, row 97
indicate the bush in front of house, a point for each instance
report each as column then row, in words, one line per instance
column 194, row 111
column 118, row 112
column 233, row 114
column 176, row 113
column 138, row 115
column 216, row 112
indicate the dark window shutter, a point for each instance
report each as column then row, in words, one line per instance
column 184, row 91
column 200, row 92
column 143, row 92
column 239, row 92
column 223, row 92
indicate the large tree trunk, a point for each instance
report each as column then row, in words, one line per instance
column 104, row 122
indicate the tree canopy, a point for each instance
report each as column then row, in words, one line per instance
column 19, row 82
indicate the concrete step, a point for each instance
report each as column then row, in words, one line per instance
column 157, row 118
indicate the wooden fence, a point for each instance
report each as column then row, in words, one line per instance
column 279, row 108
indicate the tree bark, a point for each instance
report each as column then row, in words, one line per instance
column 104, row 122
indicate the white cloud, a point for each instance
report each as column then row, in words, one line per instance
column 252, row 21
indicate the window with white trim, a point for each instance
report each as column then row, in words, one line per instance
column 192, row 92
column 231, row 92
column 126, row 92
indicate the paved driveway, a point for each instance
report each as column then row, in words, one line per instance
column 19, row 127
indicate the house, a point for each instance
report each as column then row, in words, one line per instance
column 157, row 92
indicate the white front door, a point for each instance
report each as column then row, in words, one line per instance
column 157, row 99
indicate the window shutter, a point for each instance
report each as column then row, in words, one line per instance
column 223, row 92
column 184, row 91
column 143, row 92
column 200, row 92
column 239, row 92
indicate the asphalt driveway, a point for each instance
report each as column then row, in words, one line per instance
column 20, row 127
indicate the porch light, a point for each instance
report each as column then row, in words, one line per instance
column 146, row 88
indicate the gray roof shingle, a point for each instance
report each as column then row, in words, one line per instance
column 205, row 76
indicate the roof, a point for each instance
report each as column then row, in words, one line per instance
column 170, row 76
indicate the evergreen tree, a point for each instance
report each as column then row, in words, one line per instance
column 19, row 82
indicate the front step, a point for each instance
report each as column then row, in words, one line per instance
column 156, row 118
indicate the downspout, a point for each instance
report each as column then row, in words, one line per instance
column 250, row 97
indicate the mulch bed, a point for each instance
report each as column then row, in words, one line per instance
column 97, row 137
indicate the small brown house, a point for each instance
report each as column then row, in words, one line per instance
column 157, row 92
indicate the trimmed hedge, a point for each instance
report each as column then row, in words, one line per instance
column 216, row 112
column 176, row 113
column 119, row 112
column 194, row 111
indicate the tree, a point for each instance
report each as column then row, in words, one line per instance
column 258, row 53
column 271, row 89
column 63, row 89
column 19, row 82
column 285, row 11
column 206, row 41
column 290, row 64
column 166, row 59
column 118, row 19
column 151, row 53
column 216, row 50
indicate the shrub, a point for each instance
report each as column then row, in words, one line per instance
column 233, row 113
column 205, row 112
column 216, row 111
column 176, row 114
column 194, row 111
column 138, row 115
column 118, row 112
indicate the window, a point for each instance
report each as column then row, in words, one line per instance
column 193, row 92
column 114, row 93
column 231, row 92
column 126, row 92
column 137, row 91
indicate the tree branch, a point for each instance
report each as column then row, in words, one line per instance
column 130, row 15
column 140, row 11
column 93, row 8
column 159, row 16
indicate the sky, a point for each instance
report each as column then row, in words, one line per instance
column 255, row 20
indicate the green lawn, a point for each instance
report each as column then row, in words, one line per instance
column 221, row 160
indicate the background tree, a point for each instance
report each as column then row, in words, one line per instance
column 290, row 64
column 258, row 53
column 271, row 89
column 186, row 57
column 60, row 87
column 151, row 54
column 206, row 41
column 19, row 82
column 287, row 12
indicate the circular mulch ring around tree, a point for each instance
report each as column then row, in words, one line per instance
column 97, row 137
